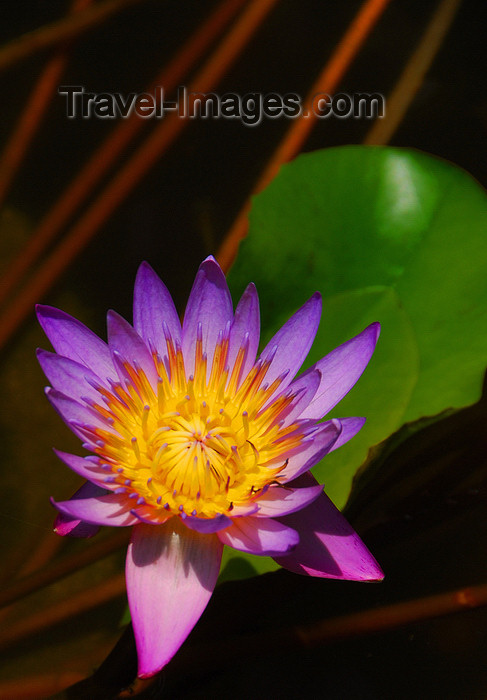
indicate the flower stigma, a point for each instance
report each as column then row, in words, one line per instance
column 201, row 445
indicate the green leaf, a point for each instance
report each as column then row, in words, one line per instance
column 394, row 368
column 357, row 217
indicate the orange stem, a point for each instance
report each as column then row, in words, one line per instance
column 58, row 569
column 55, row 32
column 42, row 686
column 113, row 146
column 31, row 118
column 61, row 610
column 413, row 74
column 298, row 132
column 121, row 185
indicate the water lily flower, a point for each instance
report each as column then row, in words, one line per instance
column 196, row 443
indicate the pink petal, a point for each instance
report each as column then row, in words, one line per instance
column 314, row 447
column 69, row 377
column 171, row 572
column 66, row 525
column 259, row 536
column 108, row 509
column 125, row 341
column 340, row 369
column 328, row 546
column 282, row 500
column 292, row 342
column 69, row 337
column 210, row 305
column 153, row 306
column 245, row 326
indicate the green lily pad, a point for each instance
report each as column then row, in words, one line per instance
column 356, row 217
column 394, row 367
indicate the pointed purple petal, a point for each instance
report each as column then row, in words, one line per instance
column 245, row 326
column 69, row 337
column 207, row 525
column 328, row 546
column 304, row 387
column 153, row 306
column 108, row 509
column 314, row 448
column 74, row 527
column 69, row 377
column 350, row 427
column 87, row 467
column 340, row 369
column 259, row 536
column 293, row 341
column 282, row 500
column 210, row 304
column 171, row 572
column 75, row 414
column 125, row 341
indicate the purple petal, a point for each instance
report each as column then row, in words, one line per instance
column 340, row 369
column 66, row 525
column 153, row 306
column 69, row 337
column 207, row 525
column 125, row 341
column 108, row 509
column 69, row 377
column 210, row 305
column 328, row 546
column 259, row 536
column 293, row 341
column 245, row 328
column 75, row 414
column 282, row 500
column 305, row 387
column 171, row 572
column 314, row 448
column 87, row 467
column 350, row 427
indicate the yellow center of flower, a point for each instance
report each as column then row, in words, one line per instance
column 193, row 445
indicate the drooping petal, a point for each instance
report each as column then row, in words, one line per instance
column 153, row 306
column 292, row 342
column 314, row 448
column 107, row 509
column 69, row 337
column 171, row 572
column 210, row 305
column 74, row 527
column 259, row 536
column 350, row 427
column 328, row 545
column 125, row 341
column 340, row 369
column 69, row 377
column 245, row 329
column 282, row 500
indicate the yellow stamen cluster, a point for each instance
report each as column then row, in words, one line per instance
column 194, row 445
